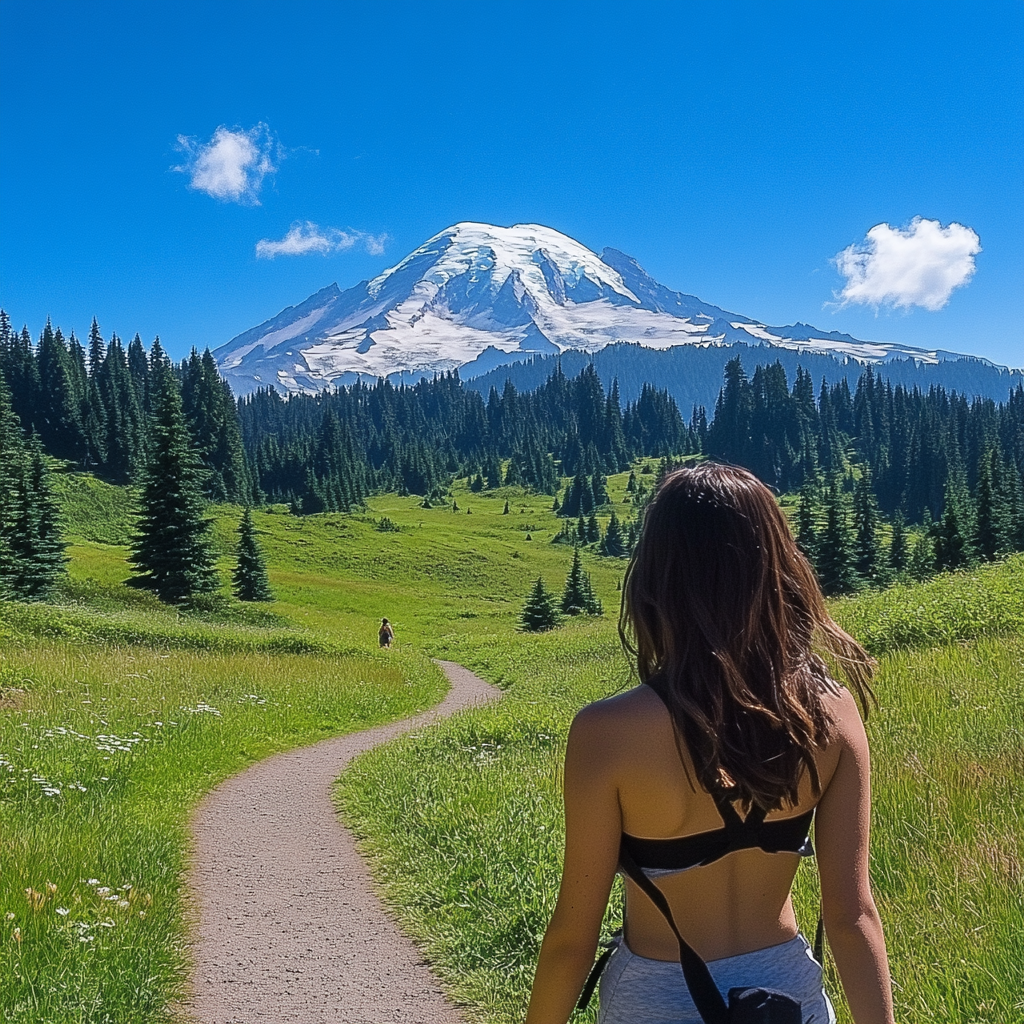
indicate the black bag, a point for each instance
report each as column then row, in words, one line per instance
column 745, row 1005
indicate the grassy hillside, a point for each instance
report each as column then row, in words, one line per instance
column 463, row 820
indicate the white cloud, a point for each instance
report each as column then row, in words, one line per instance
column 307, row 237
column 232, row 165
column 916, row 266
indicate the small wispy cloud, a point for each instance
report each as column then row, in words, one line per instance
column 919, row 265
column 232, row 165
column 307, row 237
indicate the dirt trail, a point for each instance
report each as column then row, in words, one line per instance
column 289, row 927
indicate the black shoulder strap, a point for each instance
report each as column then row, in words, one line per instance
column 706, row 997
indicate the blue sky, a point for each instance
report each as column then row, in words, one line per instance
column 734, row 149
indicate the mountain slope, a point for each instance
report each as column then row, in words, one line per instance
column 477, row 297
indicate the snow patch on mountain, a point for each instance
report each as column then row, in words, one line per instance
column 475, row 296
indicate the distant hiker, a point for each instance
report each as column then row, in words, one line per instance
column 385, row 634
column 699, row 785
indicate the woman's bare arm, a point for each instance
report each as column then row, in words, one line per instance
column 593, row 829
column 841, row 833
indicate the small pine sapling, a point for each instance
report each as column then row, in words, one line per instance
column 539, row 612
column 250, row 575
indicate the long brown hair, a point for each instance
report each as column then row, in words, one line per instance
column 726, row 620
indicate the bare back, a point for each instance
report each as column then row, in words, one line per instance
column 737, row 904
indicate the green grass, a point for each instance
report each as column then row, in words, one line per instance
column 116, row 715
column 951, row 608
column 462, row 821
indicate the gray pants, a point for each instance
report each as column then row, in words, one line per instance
column 635, row 990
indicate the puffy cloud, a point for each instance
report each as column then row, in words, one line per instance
column 232, row 165
column 307, row 237
column 916, row 266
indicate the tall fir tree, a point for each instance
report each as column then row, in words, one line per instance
column 990, row 511
column 867, row 556
column 613, row 544
column 578, row 597
column 951, row 537
column 31, row 545
column 899, row 554
column 44, row 542
column 250, row 576
column 835, row 562
column 12, row 471
column 1014, row 491
column 807, row 512
column 170, row 551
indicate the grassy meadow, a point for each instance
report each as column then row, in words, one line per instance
column 116, row 714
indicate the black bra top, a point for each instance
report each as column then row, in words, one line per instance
column 784, row 835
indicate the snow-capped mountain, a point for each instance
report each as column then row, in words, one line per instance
column 476, row 296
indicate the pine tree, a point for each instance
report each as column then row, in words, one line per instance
column 31, row 546
column 572, row 502
column 807, row 519
column 922, row 558
column 593, row 530
column 505, row 510
column 578, row 596
column 12, row 473
column 250, row 575
column 614, row 543
column 170, row 551
column 835, row 546
column 591, row 602
column 46, row 552
column 867, row 560
column 539, row 612
column 492, row 470
column 587, row 500
column 952, row 549
column 899, row 554
column 989, row 512
column 574, row 596
column 60, row 393
column 1014, row 508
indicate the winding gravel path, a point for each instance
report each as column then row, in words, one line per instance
column 288, row 925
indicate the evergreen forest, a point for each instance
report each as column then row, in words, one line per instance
column 936, row 473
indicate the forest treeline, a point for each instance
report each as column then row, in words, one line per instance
column 949, row 465
column 93, row 404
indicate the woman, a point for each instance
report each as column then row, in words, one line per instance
column 736, row 720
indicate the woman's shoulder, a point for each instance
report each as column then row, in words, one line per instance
column 619, row 721
column 636, row 703
column 845, row 713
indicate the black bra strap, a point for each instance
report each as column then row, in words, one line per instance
column 706, row 997
column 819, row 939
column 595, row 972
